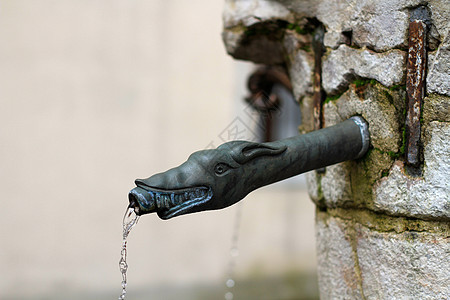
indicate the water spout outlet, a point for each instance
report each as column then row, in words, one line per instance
column 217, row 178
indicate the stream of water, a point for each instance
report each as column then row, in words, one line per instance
column 234, row 253
column 130, row 219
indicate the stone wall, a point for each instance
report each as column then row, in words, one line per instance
column 382, row 223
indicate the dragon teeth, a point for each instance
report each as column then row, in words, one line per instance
column 171, row 199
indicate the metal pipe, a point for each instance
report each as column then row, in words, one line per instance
column 217, row 178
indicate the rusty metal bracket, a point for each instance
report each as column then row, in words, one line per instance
column 318, row 96
column 415, row 88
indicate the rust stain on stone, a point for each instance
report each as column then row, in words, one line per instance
column 415, row 84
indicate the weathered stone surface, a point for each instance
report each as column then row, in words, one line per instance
column 333, row 39
column 337, row 271
column 378, row 25
column 307, row 110
column 427, row 197
column 254, row 44
column 232, row 38
column 301, row 73
column 313, row 185
column 357, row 262
column 345, row 63
column 436, row 108
column 300, row 63
column 250, row 12
column 250, row 31
column 331, row 114
column 409, row 265
column 381, row 108
column 440, row 14
column 438, row 75
column 293, row 41
column 336, row 186
column 350, row 184
column 302, row 8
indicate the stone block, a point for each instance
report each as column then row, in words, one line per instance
column 249, row 12
column 365, row 262
column 342, row 65
column 436, row 108
column 440, row 14
column 379, row 25
column 337, row 271
column 381, row 108
column 424, row 197
column 301, row 69
column 336, row 186
column 313, row 185
column 375, row 24
column 407, row 265
column 331, row 114
column 251, row 31
column 438, row 74
column 307, row 111
column 254, row 44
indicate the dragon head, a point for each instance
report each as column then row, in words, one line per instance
column 208, row 180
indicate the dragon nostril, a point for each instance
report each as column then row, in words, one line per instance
column 141, row 200
column 133, row 203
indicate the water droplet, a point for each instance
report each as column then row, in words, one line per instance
column 230, row 283
column 123, row 265
column 234, row 253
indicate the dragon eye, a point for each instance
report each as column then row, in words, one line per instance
column 221, row 168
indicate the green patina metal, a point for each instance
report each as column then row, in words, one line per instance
column 217, row 178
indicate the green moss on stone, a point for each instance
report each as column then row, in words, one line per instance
column 306, row 48
column 386, row 223
column 332, row 98
column 393, row 155
column 403, row 146
column 397, row 87
column 319, row 188
column 365, row 173
column 300, row 29
column 436, row 108
column 363, row 81
column 388, row 96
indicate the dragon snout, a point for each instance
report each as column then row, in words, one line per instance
column 141, row 200
column 168, row 203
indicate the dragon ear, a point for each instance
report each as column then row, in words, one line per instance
column 243, row 152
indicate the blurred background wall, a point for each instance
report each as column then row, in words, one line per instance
column 95, row 94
